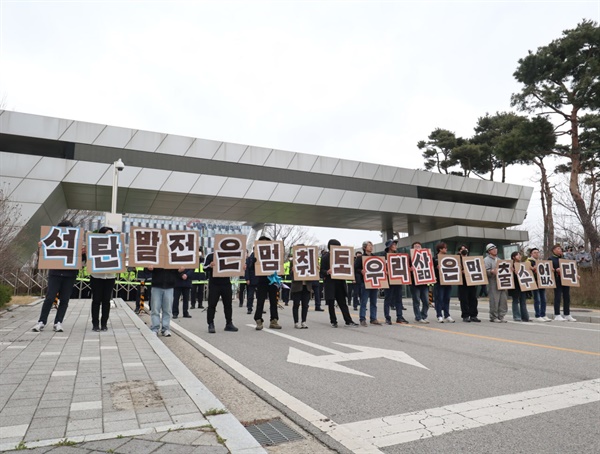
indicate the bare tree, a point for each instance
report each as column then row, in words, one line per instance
column 10, row 225
column 289, row 234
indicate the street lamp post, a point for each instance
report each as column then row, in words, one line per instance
column 118, row 166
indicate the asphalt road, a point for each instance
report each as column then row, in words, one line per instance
column 462, row 387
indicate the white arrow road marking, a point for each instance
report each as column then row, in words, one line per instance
column 398, row 429
column 317, row 419
column 330, row 361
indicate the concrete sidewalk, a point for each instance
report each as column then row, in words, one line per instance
column 119, row 391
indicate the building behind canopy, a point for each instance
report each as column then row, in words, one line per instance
column 49, row 165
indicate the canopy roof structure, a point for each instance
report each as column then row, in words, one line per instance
column 52, row 164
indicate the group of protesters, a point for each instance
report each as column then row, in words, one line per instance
column 169, row 285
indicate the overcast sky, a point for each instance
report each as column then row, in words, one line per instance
column 354, row 80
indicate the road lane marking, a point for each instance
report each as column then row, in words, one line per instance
column 499, row 339
column 319, row 420
column 407, row 427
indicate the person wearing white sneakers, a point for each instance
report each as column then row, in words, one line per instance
column 560, row 290
column 539, row 295
column 60, row 282
column 441, row 293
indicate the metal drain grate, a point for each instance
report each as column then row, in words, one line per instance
column 273, row 432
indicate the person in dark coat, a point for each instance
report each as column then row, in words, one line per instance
column 334, row 290
column 183, row 286
column 218, row 287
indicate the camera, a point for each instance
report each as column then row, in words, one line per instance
column 119, row 165
column 464, row 252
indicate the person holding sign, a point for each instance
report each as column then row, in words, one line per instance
column 498, row 301
column 519, row 299
column 264, row 289
column 60, row 281
column 163, row 285
column 419, row 293
column 392, row 296
column 539, row 295
column 102, row 287
column 334, row 289
column 365, row 294
column 441, row 293
column 560, row 290
column 218, row 287
column 467, row 295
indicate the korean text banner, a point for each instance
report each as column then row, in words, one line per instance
column 341, row 260
column 229, row 255
column 422, row 263
column 450, row 269
column 525, row 277
column 60, row 248
column 163, row 248
column 569, row 277
column 398, row 266
column 545, row 274
column 305, row 263
column 106, row 253
column 505, row 277
column 269, row 257
column 474, row 270
column 374, row 272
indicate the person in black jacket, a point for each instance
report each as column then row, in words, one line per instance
column 251, row 282
column 560, row 290
column 334, row 289
column 264, row 289
column 183, row 285
column 218, row 287
column 163, row 283
column 59, row 282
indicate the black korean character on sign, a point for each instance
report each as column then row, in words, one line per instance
column 375, row 272
column 105, row 252
column 398, row 268
column 423, row 265
column 229, row 254
column 182, row 247
column 545, row 275
column 525, row 277
column 505, row 275
column 269, row 257
column 61, row 244
column 305, row 262
column 450, row 270
column 147, row 244
column 474, row 269
column 342, row 262
column 568, row 272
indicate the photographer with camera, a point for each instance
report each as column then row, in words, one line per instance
column 467, row 295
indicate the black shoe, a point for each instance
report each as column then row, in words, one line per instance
column 388, row 322
column 249, row 311
column 175, row 317
column 402, row 321
column 475, row 319
column 192, row 307
column 334, row 325
column 352, row 324
column 104, row 328
column 466, row 320
column 211, row 328
column 318, row 309
column 187, row 316
column 230, row 327
column 95, row 328
column 201, row 307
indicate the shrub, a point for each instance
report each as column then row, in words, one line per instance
column 587, row 294
column 5, row 294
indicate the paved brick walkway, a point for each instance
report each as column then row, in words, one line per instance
column 119, row 391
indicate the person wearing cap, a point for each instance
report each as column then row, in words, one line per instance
column 334, row 290
column 441, row 292
column 365, row 293
column 420, row 294
column 539, row 295
column 498, row 299
column 392, row 296
column 560, row 290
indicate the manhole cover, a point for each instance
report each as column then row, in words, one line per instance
column 273, row 432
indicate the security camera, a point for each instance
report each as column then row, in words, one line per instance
column 119, row 165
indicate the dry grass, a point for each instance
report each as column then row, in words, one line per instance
column 23, row 299
column 588, row 294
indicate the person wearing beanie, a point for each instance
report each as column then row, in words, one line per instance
column 334, row 289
